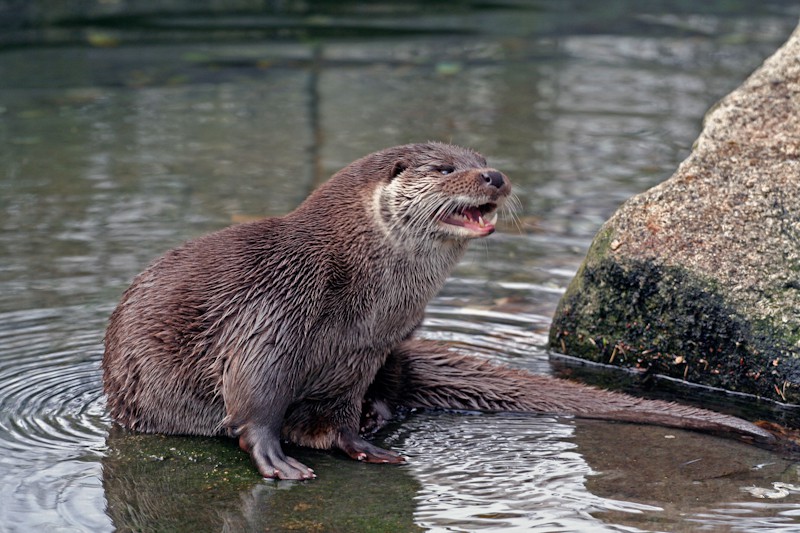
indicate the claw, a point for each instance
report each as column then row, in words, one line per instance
column 362, row 450
column 265, row 450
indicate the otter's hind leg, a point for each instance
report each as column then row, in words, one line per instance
column 334, row 424
column 360, row 449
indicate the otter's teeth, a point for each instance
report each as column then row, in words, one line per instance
column 472, row 218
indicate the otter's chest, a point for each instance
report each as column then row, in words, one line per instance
column 376, row 311
column 398, row 301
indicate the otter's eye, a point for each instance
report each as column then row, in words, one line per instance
column 446, row 169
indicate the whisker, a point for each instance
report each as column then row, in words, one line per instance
column 510, row 209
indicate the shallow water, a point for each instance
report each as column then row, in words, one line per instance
column 111, row 155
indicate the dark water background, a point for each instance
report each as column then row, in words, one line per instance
column 126, row 129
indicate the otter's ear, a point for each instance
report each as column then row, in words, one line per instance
column 398, row 168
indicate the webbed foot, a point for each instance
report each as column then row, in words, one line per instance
column 265, row 449
column 362, row 450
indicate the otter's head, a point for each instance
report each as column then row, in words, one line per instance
column 437, row 191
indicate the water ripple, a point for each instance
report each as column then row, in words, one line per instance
column 536, row 478
column 506, row 337
column 54, row 496
column 50, row 389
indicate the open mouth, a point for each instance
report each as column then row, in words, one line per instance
column 478, row 220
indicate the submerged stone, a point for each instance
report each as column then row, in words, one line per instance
column 698, row 278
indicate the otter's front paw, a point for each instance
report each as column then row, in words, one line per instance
column 265, row 449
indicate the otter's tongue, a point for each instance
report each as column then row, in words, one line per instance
column 472, row 219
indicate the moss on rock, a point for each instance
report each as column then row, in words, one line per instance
column 663, row 319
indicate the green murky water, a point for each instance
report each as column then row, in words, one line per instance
column 124, row 132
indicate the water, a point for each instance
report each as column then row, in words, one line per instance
column 111, row 155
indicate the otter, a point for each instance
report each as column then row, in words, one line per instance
column 302, row 326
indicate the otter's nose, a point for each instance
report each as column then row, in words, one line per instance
column 493, row 178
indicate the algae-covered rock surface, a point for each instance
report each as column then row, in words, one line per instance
column 160, row 483
column 699, row 277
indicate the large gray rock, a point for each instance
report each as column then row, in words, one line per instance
column 699, row 277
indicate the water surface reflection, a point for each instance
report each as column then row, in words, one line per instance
column 109, row 156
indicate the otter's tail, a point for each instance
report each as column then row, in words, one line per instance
column 425, row 374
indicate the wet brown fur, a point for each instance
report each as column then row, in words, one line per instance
column 278, row 328
column 427, row 374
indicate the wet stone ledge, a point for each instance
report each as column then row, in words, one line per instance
column 698, row 278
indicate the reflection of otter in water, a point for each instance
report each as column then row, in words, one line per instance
column 282, row 327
